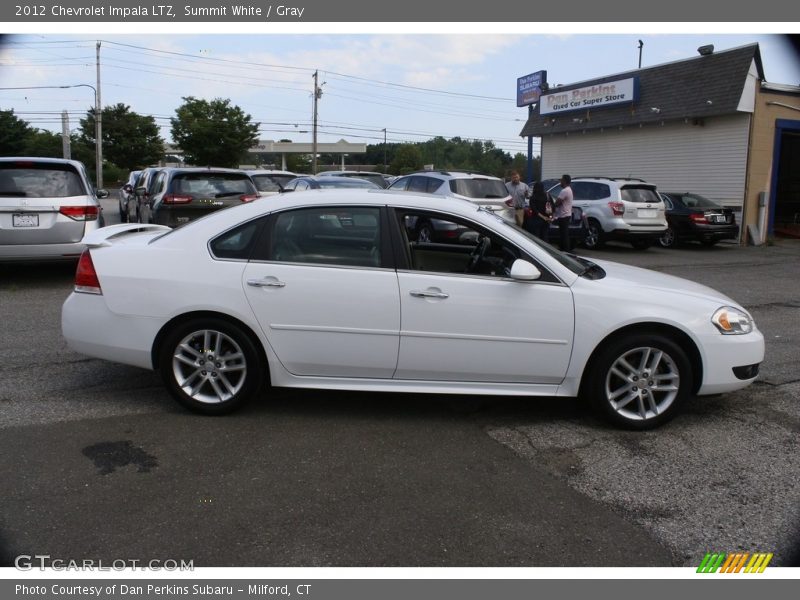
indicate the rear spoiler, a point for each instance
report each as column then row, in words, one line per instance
column 102, row 237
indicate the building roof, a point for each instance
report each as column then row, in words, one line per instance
column 696, row 88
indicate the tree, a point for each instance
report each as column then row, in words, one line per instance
column 14, row 134
column 407, row 158
column 130, row 140
column 213, row 133
column 44, row 143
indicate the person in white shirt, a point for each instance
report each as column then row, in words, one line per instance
column 563, row 213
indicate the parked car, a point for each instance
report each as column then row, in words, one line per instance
column 377, row 178
column 691, row 217
column 178, row 195
column 143, row 190
column 328, row 290
column 47, row 205
column 578, row 228
column 321, row 182
column 628, row 210
column 484, row 190
column 127, row 199
column 269, row 181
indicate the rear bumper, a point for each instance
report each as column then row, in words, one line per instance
column 706, row 232
column 40, row 252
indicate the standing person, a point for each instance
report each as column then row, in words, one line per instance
column 519, row 194
column 563, row 213
column 542, row 209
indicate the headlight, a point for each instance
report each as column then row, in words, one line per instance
column 732, row 321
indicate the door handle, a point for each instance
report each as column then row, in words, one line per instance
column 428, row 294
column 266, row 282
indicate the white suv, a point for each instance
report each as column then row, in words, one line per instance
column 484, row 190
column 618, row 209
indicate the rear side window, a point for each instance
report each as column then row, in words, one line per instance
column 237, row 243
column 640, row 194
column 479, row 188
column 587, row 190
column 39, row 180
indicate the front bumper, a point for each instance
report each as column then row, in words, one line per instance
column 730, row 362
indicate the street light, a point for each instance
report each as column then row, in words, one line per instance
column 98, row 143
column 384, row 149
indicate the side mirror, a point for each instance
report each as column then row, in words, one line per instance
column 522, row 270
column 101, row 193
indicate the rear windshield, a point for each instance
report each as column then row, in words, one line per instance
column 632, row 193
column 479, row 188
column 375, row 178
column 39, row 180
column 694, row 201
column 271, row 183
column 213, row 185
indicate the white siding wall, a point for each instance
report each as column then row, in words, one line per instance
column 710, row 160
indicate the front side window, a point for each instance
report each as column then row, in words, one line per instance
column 337, row 236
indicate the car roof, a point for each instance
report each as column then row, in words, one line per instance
column 454, row 174
column 42, row 159
column 270, row 172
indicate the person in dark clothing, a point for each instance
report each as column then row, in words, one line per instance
column 541, row 211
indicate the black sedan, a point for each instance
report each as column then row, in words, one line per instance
column 694, row 218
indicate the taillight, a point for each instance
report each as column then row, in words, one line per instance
column 177, row 199
column 80, row 213
column 248, row 197
column 86, row 280
column 618, row 208
column 698, row 217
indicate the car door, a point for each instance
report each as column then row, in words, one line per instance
column 478, row 325
column 324, row 291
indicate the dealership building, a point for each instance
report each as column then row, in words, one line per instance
column 710, row 125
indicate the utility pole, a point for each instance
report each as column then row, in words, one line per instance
column 65, row 141
column 317, row 95
column 98, row 126
column 384, row 149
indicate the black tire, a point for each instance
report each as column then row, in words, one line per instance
column 594, row 236
column 669, row 239
column 641, row 244
column 639, row 381
column 215, row 380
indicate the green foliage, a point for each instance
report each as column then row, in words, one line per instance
column 213, row 133
column 14, row 133
column 407, row 158
column 130, row 141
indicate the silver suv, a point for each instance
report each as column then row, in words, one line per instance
column 484, row 190
column 628, row 210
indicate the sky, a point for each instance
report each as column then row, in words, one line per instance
column 414, row 85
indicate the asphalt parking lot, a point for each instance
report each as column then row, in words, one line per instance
column 92, row 451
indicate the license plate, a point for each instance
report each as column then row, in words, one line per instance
column 647, row 213
column 718, row 219
column 25, row 220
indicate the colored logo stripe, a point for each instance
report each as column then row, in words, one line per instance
column 733, row 563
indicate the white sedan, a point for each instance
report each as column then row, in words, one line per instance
column 331, row 289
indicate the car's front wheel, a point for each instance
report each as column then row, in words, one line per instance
column 639, row 381
column 211, row 366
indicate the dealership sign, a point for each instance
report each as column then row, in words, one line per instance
column 529, row 88
column 593, row 96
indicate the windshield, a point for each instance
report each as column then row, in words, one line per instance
column 571, row 262
column 479, row 188
column 213, row 185
column 33, row 180
column 271, row 183
column 640, row 194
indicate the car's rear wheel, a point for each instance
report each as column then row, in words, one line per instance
column 594, row 235
column 639, row 381
column 669, row 239
column 211, row 366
